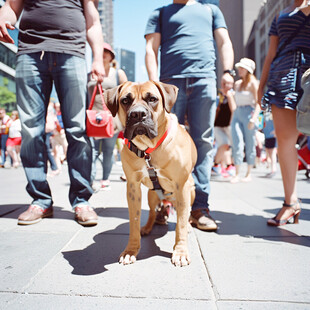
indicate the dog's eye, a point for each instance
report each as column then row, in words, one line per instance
column 125, row 101
column 152, row 99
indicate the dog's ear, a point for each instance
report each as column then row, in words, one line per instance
column 169, row 94
column 111, row 98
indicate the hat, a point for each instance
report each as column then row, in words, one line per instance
column 247, row 64
column 108, row 47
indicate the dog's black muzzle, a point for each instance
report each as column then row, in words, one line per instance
column 140, row 122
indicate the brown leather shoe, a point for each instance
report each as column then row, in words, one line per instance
column 202, row 220
column 33, row 215
column 85, row 215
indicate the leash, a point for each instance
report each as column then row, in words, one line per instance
column 151, row 170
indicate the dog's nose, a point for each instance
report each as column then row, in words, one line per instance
column 138, row 114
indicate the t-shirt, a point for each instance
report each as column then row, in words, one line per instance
column 52, row 26
column 187, row 42
column 283, row 27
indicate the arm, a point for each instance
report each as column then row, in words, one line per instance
column 254, row 89
column 273, row 45
column 94, row 38
column 151, row 55
column 226, row 52
column 9, row 15
column 122, row 77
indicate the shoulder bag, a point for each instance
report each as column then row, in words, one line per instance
column 303, row 106
column 99, row 123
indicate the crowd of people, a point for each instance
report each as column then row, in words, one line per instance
column 228, row 122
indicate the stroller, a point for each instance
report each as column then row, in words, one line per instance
column 303, row 154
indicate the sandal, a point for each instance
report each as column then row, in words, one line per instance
column 293, row 218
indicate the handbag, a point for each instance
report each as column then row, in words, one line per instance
column 99, row 123
column 285, row 82
column 303, row 106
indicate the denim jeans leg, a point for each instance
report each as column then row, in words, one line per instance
column 70, row 80
column 3, row 147
column 201, row 116
column 33, row 88
column 249, row 137
column 237, row 136
column 197, row 99
column 108, row 145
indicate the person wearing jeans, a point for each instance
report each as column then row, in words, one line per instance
column 52, row 50
column 185, row 31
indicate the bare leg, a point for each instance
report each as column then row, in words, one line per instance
column 286, row 132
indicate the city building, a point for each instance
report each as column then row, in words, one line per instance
column 105, row 9
column 258, row 41
column 127, row 62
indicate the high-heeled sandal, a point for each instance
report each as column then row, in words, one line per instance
column 293, row 218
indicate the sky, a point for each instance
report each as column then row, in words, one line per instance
column 130, row 18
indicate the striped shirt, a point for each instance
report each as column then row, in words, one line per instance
column 283, row 27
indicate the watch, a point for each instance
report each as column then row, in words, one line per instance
column 232, row 72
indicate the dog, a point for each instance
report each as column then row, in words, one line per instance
column 156, row 145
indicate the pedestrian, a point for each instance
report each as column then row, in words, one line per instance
column 270, row 145
column 288, row 49
column 51, row 48
column 223, row 163
column 5, row 121
column 185, row 31
column 106, row 146
column 244, row 118
column 50, row 128
column 14, row 139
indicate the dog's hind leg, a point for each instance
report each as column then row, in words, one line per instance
column 153, row 201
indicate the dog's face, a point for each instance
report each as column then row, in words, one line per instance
column 140, row 107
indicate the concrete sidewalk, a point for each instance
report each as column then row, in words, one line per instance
column 58, row 264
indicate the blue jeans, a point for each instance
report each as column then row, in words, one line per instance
column 197, row 100
column 3, row 147
column 241, row 134
column 106, row 147
column 34, row 80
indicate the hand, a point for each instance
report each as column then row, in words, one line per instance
column 98, row 72
column 260, row 94
column 4, row 35
column 251, row 124
column 227, row 79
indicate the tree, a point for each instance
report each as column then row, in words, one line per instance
column 6, row 97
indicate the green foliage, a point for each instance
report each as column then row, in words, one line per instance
column 6, row 97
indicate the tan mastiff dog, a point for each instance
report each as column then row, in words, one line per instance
column 158, row 145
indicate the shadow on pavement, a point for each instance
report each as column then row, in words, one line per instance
column 108, row 246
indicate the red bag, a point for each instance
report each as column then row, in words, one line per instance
column 99, row 123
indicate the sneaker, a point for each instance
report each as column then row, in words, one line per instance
column 85, row 215
column 224, row 173
column 202, row 220
column 33, row 215
column 105, row 185
column 216, row 170
column 231, row 170
column 96, row 186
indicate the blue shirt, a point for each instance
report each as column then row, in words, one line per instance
column 187, row 42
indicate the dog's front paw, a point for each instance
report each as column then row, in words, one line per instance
column 145, row 230
column 128, row 257
column 180, row 258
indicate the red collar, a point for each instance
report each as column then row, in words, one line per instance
column 149, row 150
